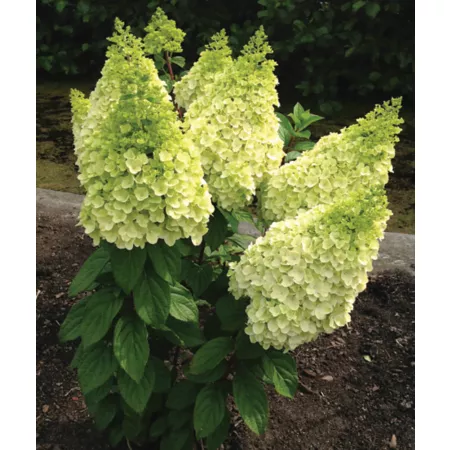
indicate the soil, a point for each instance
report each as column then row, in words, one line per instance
column 357, row 385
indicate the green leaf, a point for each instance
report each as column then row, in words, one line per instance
column 306, row 134
column 99, row 313
column 218, row 288
column 89, row 271
column 209, row 376
column 231, row 219
column 137, row 394
column 242, row 240
column 281, row 369
column 231, row 313
column 304, row 145
column 132, row 426
column 182, row 395
column 97, row 366
column 209, row 410
column 158, row 427
column 178, row 60
column 307, row 121
column 115, row 436
column 98, row 394
column 251, row 400
column 152, row 298
column 77, row 357
column 182, row 305
column 358, row 5
column 105, row 412
column 165, row 260
column 127, row 266
column 372, row 9
column 175, row 440
column 298, row 111
column 292, row 156
column 245, row 349
column 218, row 436
column 217, row 230
column 71, row 327
column 162, row 376
column 131, row 346
column 285, row 130
column 210, row 354
column 188, row 333
column 198, row 277
column 179, row 418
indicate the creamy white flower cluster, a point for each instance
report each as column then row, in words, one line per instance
column 234, row 125
column 356, row 158
column 143, row 177
column 204, row 73
column 302, row 277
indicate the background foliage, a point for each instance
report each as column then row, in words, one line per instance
column 327, row 50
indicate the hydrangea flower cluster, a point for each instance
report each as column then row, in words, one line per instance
column 163, row 35
column 235, row 126
column 143, row 177
column 201, row 77
column 358, row 157
column 302, row 277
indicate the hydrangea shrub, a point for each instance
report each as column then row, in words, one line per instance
column 182, row 310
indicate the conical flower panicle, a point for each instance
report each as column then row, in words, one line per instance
column 236, row 128
column 303, row 276
column 358, row 157
column 201, row 77
column 163, row 35
column 143, row 177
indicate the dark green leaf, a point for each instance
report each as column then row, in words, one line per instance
column 182, row 305
column 281, row 369
column 218, row 436
column 209, row 410
column 175, row 440
column 251, row 400
column 115, row 436
column 242, row 240
column 98, row 394
column 77, row 357
column 178, row 418
column 162, row 376
column 210, row 354
column 152, row 298
column 105, row 412
column 285, row 130
column 72, row 325
column 217, row 230
column 127, row 266
column 132, row 426
column 198, row 277
column 358, row 5
column 158, row 427
column 231, row 313
column 209, row 376
column 305, row 145
column 89, row 271
column 97, row 366
column 99, row 313
column 137, row 394
column 245, row 349
column 217, row 288
column 188, row 333
column 165, row 260
column 372, row 9
column 231, row 219
column 182, row 395
column 306, row 122
column 292, row 156
column 131, row 346
column 306, row 134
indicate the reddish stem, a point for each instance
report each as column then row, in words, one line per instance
column 172, row 77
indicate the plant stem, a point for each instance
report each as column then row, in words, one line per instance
column 172, row 77
column 202, row 252
column 175, row 359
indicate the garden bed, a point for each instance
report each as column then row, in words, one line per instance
column 357, row 385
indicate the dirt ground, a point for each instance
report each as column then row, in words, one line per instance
column 357, row 385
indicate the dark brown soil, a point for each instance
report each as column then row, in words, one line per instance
column 357, row 385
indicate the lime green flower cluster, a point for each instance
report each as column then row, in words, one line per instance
column 234, row 125
column 358, row 157
column 163, row 35
column 303, row 276
column 201, row 77
column 143, row 177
